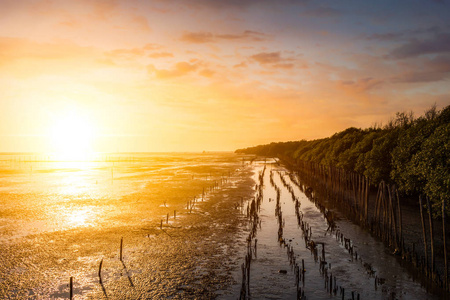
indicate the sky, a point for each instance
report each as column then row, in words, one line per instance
column 194, row 75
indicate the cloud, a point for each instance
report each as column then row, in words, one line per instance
column 178, row 70
column 440, row 43
column 197, row 37
column 240, row 65
column 432, row 70
column 283, row 66
column 208, row 37
column 248, row 35
column 126, row 52
column 390, row 36
column 103, row 10
column 236, row 4
column 207, row 73
column 321, row 12
column 361, row 84
column 141, row 23
column 152, row 46
column 12, row 49
column 276, row 61
column 411, row 34
column 267, row 57
column 415, row 77
column 23, row 59
column 160, row 54
column 133, row 53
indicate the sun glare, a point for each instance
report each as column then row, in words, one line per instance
column 72, row 136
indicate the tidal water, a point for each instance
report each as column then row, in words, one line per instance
column 181, row 220
column 355, row 275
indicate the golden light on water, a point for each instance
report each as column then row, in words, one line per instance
column 80, row 217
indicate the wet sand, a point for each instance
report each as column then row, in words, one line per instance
column 192, row 257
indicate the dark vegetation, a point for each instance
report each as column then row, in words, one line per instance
column 411, row 153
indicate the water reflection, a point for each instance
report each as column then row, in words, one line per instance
column 80, row 217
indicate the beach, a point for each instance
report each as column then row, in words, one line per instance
column 61, row 220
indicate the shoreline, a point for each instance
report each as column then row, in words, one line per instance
column 191, row 257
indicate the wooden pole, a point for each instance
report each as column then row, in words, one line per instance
column 366, row 202
column 400, row 222
column 394, row 223
column 445, row 245
column 424, row 235
column 71, row 288
column 430, row 219
column 100, row 271
column 121, row 246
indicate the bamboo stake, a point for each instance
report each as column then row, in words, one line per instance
column 71, row 288
column 445, row 245
column 121, row 246
column 366, row 202
column 100, row 271
column 424, row 235
column 400, row 223
column 377, row 203
column 431, row 235
column 394, row 223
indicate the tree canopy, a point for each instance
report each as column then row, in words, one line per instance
column 412, row 153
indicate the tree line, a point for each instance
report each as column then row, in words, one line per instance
column 412, row 153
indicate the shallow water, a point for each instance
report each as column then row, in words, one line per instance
column 351, row 273
column 61, row 219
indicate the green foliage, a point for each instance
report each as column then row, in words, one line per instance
column 378, row 161
column 413, row 154
column 431, row 165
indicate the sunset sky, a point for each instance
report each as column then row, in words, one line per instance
column 193, row 75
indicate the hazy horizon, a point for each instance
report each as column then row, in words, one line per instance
column 198, row 75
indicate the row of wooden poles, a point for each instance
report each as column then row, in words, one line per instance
column 350, row 192
column 340, row 237
column 253, row 217
column 299, row 274
column 330, row 281
column 189, row 207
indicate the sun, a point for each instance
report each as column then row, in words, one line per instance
column 72, row 136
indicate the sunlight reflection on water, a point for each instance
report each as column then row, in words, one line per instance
column 80, row 217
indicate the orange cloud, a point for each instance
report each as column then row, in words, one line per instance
column 208, row 37
column 276, row 61
column 141, row 22
column 267, row 57
column 283, row 66
column 126, row 52
column 160, row 55
column 361, row 85
column 23, row 57
column 207, row 73
column 197, row 37
column 180, row 69
column 240, row 65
